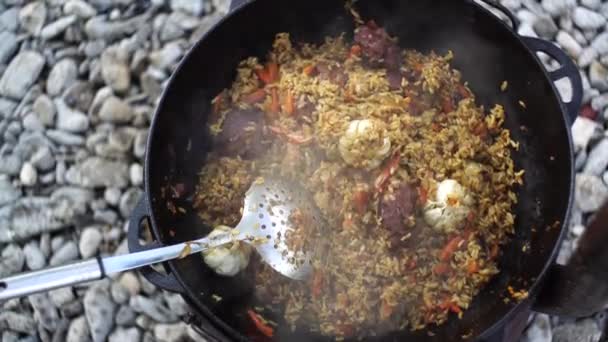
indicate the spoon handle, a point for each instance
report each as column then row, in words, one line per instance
column 95, row 269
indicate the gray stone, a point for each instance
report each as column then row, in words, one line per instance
column 7, row 107
column 78, row 331
column 600, row 102
column 171, row 332
column 569, row 44
column 153, row 309
column 129, row 200
column 587, row 56
column 583, row 131
column 194, row 7
column 79, row 96
column 167, row 56
column 43, row 159
column 558, row 7
column 32, row 17
column 183, row 20
column 29, row 143
column 113, row 235
column 34, row 258
column 123, row 335
column 116, row 110
column 590, row 192
column 597, row 160
column 108, row 216
column 44, row 310
column 598, row 76
column 99, row 27
column 65, row 138
column 115, row 69
column 125, row 316
column 90, row 239
column 70, row 120
column 79, row 8
column 72, row 309
column 99, row 310
column 130, row 281
column 61, row 331
column 16, row 322
column 586, row 330
column 206, row 24
column 21, row 74
column 9, row 336
column 8, row 193
column 60, row 171
column 136, row 174
column 171, row 30
column 45, row 244
column 98, row 172
column 12, row 260
column 63, row 74
column 61, row 296
column 75, row 195
column 28, row 174
column 144, row 322
column 94, row 48
column 139, row 145
column 57, row 242
column 31, row 122
column 120, row 294
column 176, row 303
column 67, row 252
column 44, row 109
column 150, row 85
column 545, row 27
column 587, row 19
column 600, row 43
column 592, row 4
column 99, row 99
column 8, row 46
column 8, row 19
column 110, row 195
column 122, row 138
column 57, row 27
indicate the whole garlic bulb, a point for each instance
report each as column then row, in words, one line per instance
column 229, row 259
column 365, row 144
column 449, row 209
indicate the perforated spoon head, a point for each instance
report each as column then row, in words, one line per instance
column 273, row 209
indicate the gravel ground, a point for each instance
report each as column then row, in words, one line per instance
column 78, row 84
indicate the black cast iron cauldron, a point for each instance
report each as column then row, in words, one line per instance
column 487, row 51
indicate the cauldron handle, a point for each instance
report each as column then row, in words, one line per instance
column 165, row 281
column 567, row 70
column 500, row 7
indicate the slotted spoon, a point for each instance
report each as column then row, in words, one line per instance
column 267, row 217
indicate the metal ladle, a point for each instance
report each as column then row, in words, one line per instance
column 267, row 218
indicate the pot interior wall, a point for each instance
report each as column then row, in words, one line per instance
column 485, row 51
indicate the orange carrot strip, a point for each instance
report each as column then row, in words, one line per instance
column 472, row 267
column 355, row 50
column 310, row 70
column 450, row 248
column 273, row 71
column 441, row 268
column 387, row 172
column 255, row 97
column 290, row 105
column 262, row 327
column 275, row 106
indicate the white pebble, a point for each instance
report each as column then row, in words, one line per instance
column 136, row 173
column 28, row 175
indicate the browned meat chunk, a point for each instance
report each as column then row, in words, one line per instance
column 241, row 135
column 377, row 46
column 395, row 209
column 334, row 73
